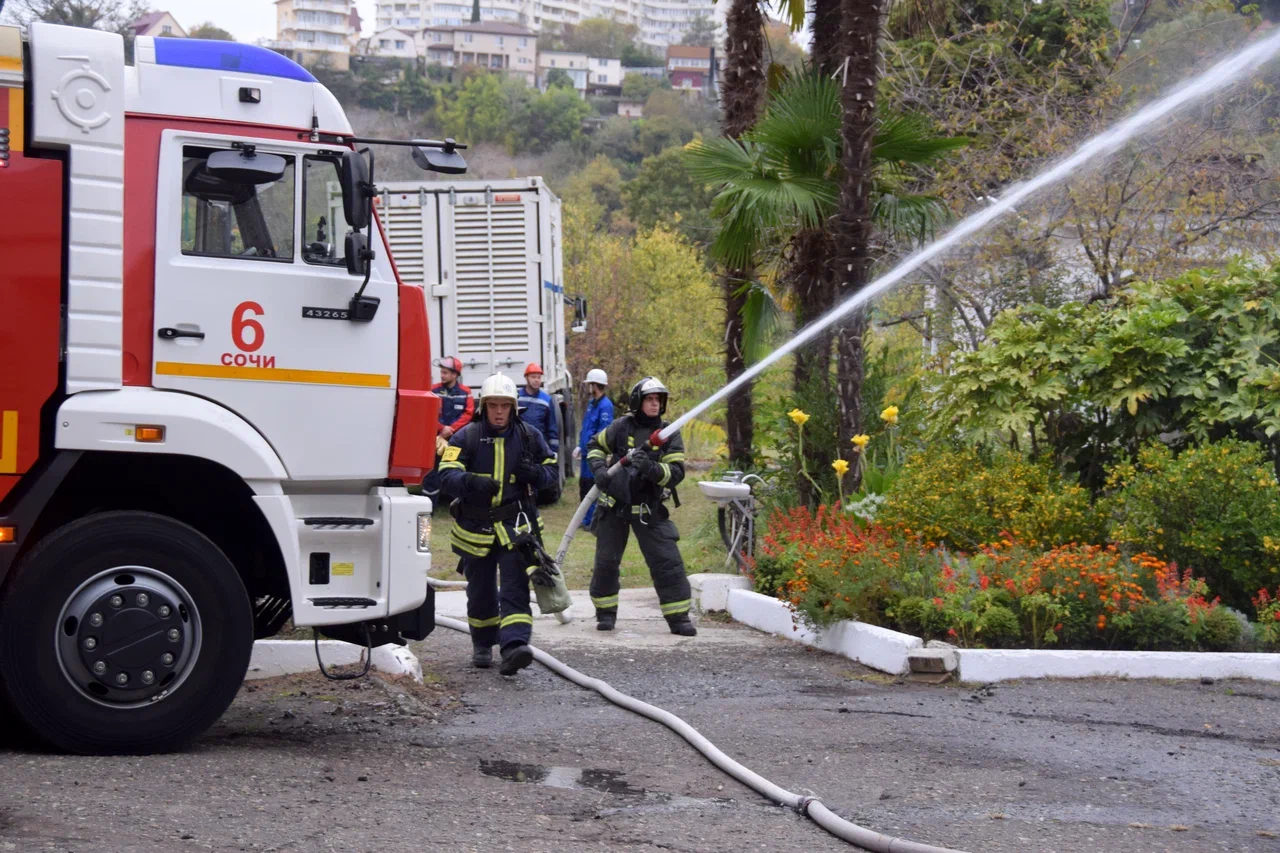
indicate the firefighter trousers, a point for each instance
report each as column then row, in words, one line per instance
column 658, row 540
column 503, row 619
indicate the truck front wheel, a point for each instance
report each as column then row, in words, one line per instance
column 123, row 632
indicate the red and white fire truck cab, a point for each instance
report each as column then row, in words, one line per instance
column 205, row 431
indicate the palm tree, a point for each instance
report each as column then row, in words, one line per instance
column 852, row 224
column 780, row 186
column 741, row 94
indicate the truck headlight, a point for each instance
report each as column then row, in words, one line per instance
column 424, row 532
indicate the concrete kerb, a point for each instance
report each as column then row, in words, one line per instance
column 711, row 590
column 889, row 651
column 869, row 645
column 284, row 657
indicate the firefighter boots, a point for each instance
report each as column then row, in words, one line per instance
column 682, row 625
column 515, row 659
column 606, row 619
column 481, row 657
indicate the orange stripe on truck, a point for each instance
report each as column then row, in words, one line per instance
column 9, row 442
column 273, row 374
column 17, row 130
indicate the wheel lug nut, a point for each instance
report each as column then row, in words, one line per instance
column 164, row 611
column 95, row 619
column 174, row 635
column 100, row 667
column 143, row 599
column 166, row 659
column 90, row 643
column 117, row 601
column 122, row 678
column 148, row 676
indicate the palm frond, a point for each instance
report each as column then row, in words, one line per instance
column 761, row 319
column 910, row 138
column 911, row 217
column 793, row 12
column 722, row 161
column 802, row 120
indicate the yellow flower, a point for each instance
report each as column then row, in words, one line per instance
column 890, row 415
column 841, row 466
column 860, row 442
column 797, row 417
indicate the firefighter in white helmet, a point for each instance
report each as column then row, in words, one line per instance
column 634, row 501
column 493, row 468
column 599, row 414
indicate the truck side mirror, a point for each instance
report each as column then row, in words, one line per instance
column 356, row 247
column 579, row 314
column 245, row 166
column 355, row 180
column 446, row 161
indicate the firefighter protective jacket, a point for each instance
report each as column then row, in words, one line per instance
column 619, row 438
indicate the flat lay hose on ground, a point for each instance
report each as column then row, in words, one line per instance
column 810, row 806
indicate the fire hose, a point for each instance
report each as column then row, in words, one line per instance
column 811, row 807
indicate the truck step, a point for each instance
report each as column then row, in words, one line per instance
column 339, row 601
column 328, row 521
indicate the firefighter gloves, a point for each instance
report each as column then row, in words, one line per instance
column 527, row 472
column 485, row 487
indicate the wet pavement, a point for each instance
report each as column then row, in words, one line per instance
column 473, row 761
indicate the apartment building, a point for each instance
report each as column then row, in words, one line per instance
column 576, row 65
column 660, row 22
column 393, row 43
column 689, row 68
column 313, row 32
column 497, row 46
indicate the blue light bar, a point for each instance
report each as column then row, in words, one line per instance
column 228, row 56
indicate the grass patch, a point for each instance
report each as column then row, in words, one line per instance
column 696, row 518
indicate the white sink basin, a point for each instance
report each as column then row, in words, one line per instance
column 723, row 492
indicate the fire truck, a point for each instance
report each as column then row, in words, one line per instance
column 214, row 387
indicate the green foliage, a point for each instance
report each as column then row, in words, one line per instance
column 1196, row 356
column 1162, row 626
column 664, row 191
column 639, row 56
column 1219, row 631
column 638, row 87
column 1216, row 508
column 559, row 78
column 999, row 627
column 210, row 30
column 958, row 498
column 601, row 37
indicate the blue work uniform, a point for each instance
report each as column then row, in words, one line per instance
column 537, row 410
column 599, row 414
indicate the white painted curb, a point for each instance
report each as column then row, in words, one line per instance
column 987, row 665
column 711, row 589
column 869, row 645
column 283, row 657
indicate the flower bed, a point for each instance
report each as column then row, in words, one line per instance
column 829, row 567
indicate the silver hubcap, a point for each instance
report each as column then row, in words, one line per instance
column 128, row 636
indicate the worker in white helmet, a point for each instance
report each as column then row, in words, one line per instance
column 599, row 414
column 493, row 469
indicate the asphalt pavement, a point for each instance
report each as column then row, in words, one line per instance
column 474, row 761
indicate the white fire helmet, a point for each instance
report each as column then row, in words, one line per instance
column 499, row 387
column 597, row 376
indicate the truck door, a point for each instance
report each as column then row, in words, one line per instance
column 251, row 295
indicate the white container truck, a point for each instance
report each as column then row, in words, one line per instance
column 489, row 257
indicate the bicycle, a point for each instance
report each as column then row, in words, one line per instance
column 735, row 515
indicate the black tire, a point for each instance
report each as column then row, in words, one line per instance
column 739, row 557
column 219, row 635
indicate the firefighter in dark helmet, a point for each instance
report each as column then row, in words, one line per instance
column 634, row 500
column 493, row 466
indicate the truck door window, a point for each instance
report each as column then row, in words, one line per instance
column 223, row 219
column 324, row 228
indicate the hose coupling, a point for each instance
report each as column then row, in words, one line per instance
column 805, row 803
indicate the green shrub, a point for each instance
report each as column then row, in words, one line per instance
column 1218, row 630
column 919, row 616
column 1163, row 626
column 959, row 499
column 999, row 628
column 1215, row 508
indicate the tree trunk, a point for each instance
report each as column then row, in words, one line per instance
column 859, row 33
column 742, row 91
column 811, row 266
